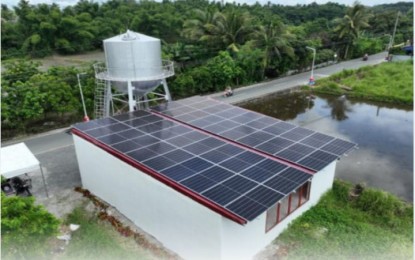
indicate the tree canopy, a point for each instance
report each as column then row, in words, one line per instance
column 213, row 44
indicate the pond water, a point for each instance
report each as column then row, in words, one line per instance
column 384, row 134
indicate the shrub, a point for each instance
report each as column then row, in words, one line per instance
column 380, row 203
column 341, row 190
column 25, row 226
column 329, row 87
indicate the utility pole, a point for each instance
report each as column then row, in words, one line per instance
column 86, row 118
column 311, row 82
column 390, row 41
column 394, row 30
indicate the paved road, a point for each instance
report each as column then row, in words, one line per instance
column 56, row 152
column 285, row 83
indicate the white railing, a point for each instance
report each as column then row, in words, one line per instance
column 138, row 73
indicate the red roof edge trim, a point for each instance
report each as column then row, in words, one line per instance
column 163, row 179
column 251, row 149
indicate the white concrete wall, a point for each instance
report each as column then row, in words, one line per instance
column 178, row 222
column 244, row 242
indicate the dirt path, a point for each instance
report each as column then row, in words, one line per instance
column 78, row 60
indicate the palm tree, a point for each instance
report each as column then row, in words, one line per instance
column 275, row 42
column 232, row 29
column 349, row 27
column 197, row 27
column 227, row 30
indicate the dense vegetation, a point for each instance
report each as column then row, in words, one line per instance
column 197, row 30
column 32, row 100
column 388, row 82
column 213, row 46
column 374, row 225
column 25, row 227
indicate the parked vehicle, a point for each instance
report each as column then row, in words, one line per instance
column 17, row 186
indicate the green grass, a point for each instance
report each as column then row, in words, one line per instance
column 388, row 82
column 377, row 225
column 98, row 240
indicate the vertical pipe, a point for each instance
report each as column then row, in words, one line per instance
column 107, row 99
column 131, row 101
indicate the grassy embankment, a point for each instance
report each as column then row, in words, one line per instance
column 376, row 225
column 388, row 82
column 96, row 239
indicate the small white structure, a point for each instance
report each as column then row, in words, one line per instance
column 204, row 190
column 133, row 68
column 17, row 160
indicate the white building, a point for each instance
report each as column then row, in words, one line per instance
column 201, row 191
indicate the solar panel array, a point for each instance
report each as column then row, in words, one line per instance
column 244, row 182
column 283, row 140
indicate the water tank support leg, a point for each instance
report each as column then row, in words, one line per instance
column 166, row 90
column 146, row 106
column 131, row 101
column 108, row 99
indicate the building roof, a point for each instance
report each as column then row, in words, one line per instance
column 16, row 160
column 236, row 162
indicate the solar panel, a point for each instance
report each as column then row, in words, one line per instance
column 217, row 174
column 265, row 196
column 159, row 163
column 239, row 184
column 232, row 176
column 111, row 139
column 141, row 154
column 244, row 206
column 177, row 172
column 266, row 134
column 144, row 140
column 131, row 133
column 126, row 146
column 178, row 155
column 271, row 165
column 214, row 156
column 281, row 184
column 97, row 132
column 221, row 194
column 249, row 157
column 198, row 183
column 197, row 164
column 294, row 175
column 234, row 165
column 257, row 174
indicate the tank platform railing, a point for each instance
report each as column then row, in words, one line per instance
column 138, row 74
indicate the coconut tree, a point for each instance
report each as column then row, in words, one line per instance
column 274, row 40
column 227, row 30
column 197, row 27
column 351, row 25
column 232, row 29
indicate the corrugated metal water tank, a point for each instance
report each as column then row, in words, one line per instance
column 133, row 56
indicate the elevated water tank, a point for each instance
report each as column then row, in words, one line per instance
column 133, row 68
column 133, row 56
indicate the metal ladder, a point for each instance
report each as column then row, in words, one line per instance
column 99, row 98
